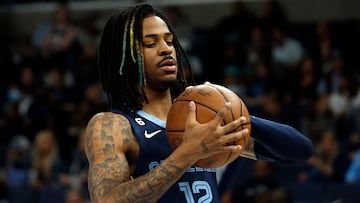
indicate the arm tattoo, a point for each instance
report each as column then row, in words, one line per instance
column 150, row 187
column 109, row 179
column 107, row 175
column 147, row 188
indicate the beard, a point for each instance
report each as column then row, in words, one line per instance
column 167, row 84
column 162, row 85
column 170, row 83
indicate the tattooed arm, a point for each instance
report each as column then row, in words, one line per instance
column 108, row 139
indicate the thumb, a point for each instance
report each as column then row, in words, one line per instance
column 191, row 117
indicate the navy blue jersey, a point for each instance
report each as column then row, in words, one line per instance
column 195, row 186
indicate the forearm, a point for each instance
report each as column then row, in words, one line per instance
column 278, row 142
column 107, row 186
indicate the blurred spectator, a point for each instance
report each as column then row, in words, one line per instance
column 48, row 171
column 323, row 30
column 57, row 39
column 330, row 81
column 272, row 14
column 229, row 36
column 186, row 37
column 329, row 162
column 353, row 118
column 88, row 35
column 18, row 169
column 271, row 107
column 352, row 174
column 92, row 101
column 232, row 80
column 261, row 187
column 258, row 86
column 236, row 26
column 4, row 189
column 286, row 51
column 317, row 118
column 341, row 83
column 323, row 45
column 78, row 169
column 12, row 123
column 306, row 79
column 258, row 47
column 181, row 25
column 313, row 37
column 23, row 53
column 29, row 87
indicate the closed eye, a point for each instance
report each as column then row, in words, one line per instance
column 150, row 45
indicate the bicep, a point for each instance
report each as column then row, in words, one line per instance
column 108, row 166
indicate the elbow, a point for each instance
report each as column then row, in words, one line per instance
column 308, row 150
column 302, row 148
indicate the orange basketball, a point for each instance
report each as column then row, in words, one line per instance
column 209, row 99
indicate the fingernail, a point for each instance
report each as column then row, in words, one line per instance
column 191, row 103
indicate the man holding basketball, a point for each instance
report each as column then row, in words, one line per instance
column 142, row 68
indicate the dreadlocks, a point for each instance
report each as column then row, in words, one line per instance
column 121, row 66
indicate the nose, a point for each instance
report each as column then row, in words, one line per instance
column 165, row 49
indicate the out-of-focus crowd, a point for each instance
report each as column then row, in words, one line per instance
column 303, row 74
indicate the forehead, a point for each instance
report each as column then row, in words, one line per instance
column 154, row 25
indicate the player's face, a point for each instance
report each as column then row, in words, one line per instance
column 159, row 53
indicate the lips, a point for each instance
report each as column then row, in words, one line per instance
column 168, row 64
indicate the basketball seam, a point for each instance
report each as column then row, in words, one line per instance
column 232, row 115
column 241, row 110
column 188, row 100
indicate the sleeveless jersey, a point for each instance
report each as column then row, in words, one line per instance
column 197, row 185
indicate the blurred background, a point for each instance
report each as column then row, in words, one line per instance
column 294, row 62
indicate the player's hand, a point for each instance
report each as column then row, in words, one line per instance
column 204, row 140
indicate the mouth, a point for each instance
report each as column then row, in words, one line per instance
column 168, row 64
column 167, row 61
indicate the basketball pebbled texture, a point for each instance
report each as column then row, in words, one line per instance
column 209, row 99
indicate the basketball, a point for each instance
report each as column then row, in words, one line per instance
column 209, row 99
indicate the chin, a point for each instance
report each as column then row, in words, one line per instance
column 170, row 82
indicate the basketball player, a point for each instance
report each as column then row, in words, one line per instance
column 142, row 68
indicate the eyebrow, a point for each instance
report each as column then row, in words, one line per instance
column 155, row 35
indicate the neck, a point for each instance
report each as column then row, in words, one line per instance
column 159, row 103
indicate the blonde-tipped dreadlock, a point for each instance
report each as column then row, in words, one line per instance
column 138, row 59
column 132, row 39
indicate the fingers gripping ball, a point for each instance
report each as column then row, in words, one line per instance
column 209, row 99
